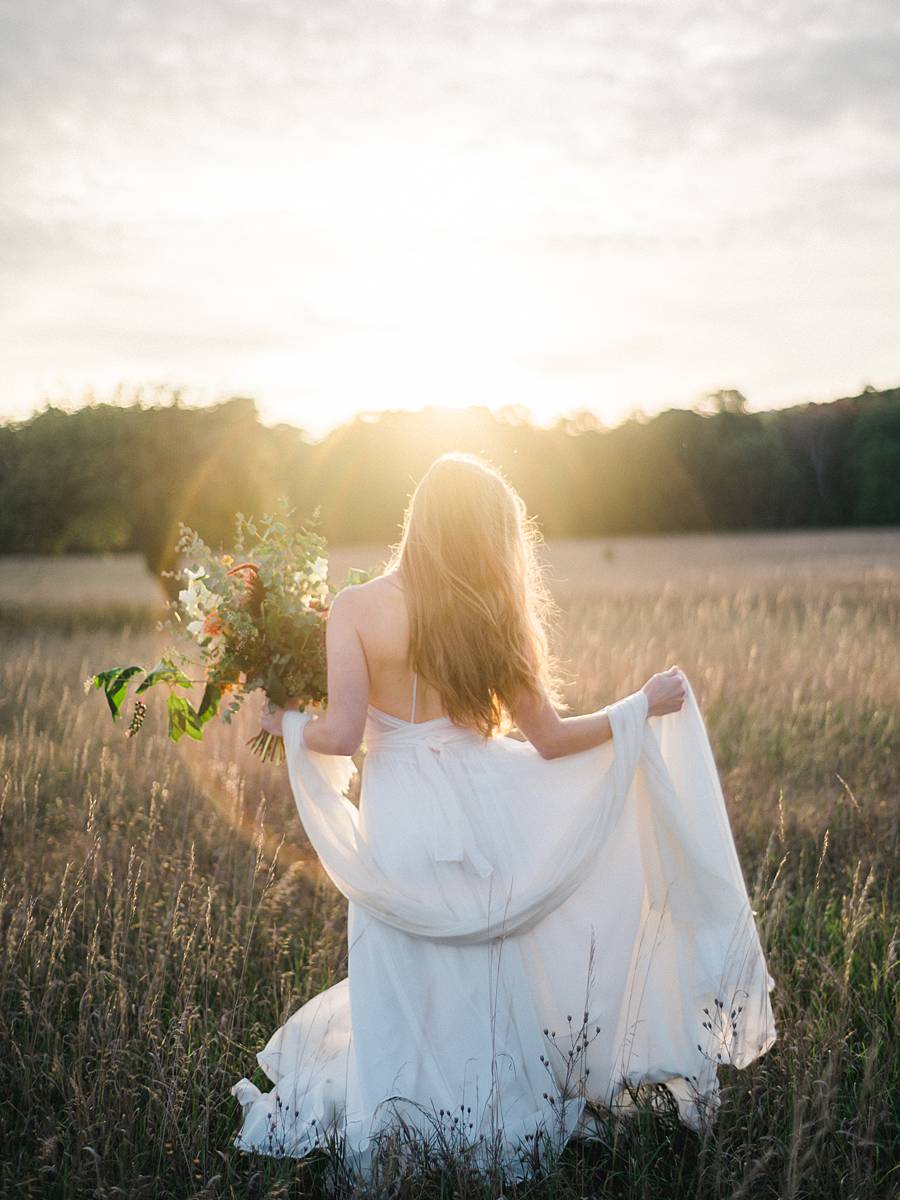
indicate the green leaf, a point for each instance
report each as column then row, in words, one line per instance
column 275, row 689
column 209, row 703
column 114, row 683
column 183, row 719
column 165, row 672
column 356, row 575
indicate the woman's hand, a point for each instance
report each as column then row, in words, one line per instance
column 665, row 691
column 270, row 720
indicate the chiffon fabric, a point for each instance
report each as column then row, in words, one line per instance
column 531, row 941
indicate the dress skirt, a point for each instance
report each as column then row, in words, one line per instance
column 530, row 942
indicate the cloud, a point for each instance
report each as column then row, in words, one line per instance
column 199, row 188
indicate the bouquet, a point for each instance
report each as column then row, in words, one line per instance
column 253, row 618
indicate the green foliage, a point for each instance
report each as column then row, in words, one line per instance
column 164, row 672
column 183, row 719
column 125, row 476
column 209, row 703
column 274, row 634
column 114, row 684
column 255, row 617
column 875, row 465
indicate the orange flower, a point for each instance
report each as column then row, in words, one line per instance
column 254, row 590
column 212, row 624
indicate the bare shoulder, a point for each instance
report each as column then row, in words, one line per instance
column 367, row 601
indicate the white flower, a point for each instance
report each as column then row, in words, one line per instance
column 319, row 569
column 311, row 581
column 196, row 599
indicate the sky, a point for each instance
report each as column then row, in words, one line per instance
column 344, row 205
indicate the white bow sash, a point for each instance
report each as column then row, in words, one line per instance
column 445, row 780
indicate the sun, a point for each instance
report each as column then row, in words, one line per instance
column 417, row 274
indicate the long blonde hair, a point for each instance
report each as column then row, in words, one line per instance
column 479, row 609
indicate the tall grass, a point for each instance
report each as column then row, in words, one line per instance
column 161, row 914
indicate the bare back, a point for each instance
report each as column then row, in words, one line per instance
column 383, row 628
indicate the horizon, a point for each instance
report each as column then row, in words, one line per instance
column 512, row 413
column 353, row 206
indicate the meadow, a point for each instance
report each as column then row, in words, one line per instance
column 162, row 912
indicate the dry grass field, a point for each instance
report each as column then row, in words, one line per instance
column 160, row 913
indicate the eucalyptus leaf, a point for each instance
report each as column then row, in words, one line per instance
column 275, row 689
column 356, row 575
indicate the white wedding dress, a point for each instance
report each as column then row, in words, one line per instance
column 530, row 941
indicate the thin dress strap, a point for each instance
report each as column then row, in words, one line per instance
column 412, row 716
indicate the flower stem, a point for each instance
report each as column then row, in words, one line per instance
column 268, row 747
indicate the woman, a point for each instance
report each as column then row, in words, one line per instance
column 537, row 929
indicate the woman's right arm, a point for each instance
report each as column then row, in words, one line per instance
column 554, row 736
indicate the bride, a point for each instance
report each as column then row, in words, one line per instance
column 539, row 930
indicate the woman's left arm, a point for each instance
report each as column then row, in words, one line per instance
column 339, row 729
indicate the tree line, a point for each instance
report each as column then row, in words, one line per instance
column 111, row 477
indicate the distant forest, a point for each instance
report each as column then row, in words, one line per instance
column 110, row 477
